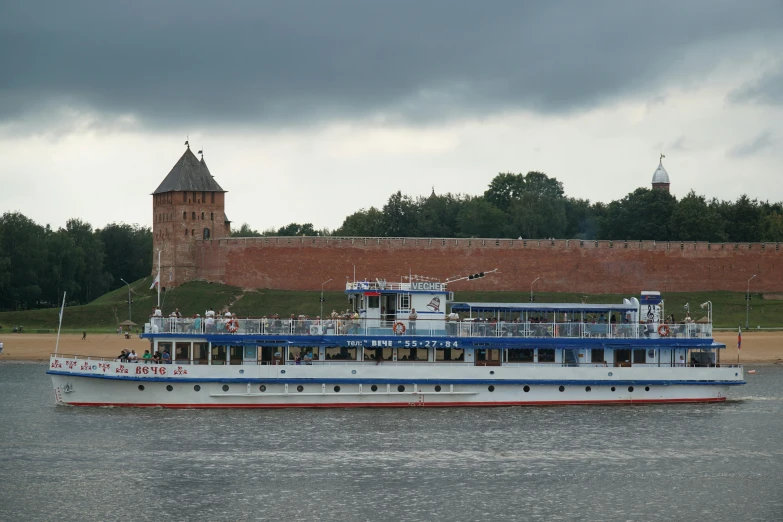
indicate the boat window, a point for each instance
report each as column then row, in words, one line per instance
column 449, row 354
column 341, row 354
column 622, row 356
column 373, row 301
column 304, row 353
column 597, row 356
column 164, row 347
column 182, row 353
column 546, row 355
column 237, row 353
column 411, row 354
column 520, row 355
column 218, row 354
column 376, row 354
column 200, row 353
column 404, row 302
column 640, row 356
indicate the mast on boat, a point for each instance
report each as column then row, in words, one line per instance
column 59, row 326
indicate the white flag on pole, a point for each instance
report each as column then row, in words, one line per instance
column 156, row 281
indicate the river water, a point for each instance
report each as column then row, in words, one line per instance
column 669, row 462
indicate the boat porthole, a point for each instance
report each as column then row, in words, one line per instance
column 374, row 388
column 300, row 388
column 262, row 388
column 169, row 388
column 492, row 372
column 241, row 371
column 562, row 388
column 197, row 388
column 400, row 388
column 610, row 374
column 353, row 372
column 630, row 388
column 646, row 388
column 491, row 388
column 587, row 388
column 141, row 387
column 225, row 387
column 526, row 388
column 282, row 371
column 613, row 388
column 437, row 388
column 337, row 389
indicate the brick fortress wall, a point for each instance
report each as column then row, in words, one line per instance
column 590, row 267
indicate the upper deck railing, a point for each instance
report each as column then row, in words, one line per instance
column 425, row 328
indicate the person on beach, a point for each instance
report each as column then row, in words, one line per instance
column 84, row 335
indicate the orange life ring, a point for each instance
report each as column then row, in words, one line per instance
column 232, row 325
column 399, row 328
column 663, row 330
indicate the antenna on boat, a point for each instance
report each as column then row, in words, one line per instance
column 471, row 277
column 59, row 326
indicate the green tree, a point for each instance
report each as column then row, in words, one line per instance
column 480, row 218
column 693, row 219
column 400, row 217
column 642, row 214
column 295, row 229
column 246, row 231
column 364, row 223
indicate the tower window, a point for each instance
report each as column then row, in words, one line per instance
column 185, row 216
column 184, row 197
column 206, row 233
column 204, row 196
column 186, row 231
column 194, row 216
column 202, row 215
column 212, row 216
column 213, row 197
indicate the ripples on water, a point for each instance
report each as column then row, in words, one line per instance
column 655, row 462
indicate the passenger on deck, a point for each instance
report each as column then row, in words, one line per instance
column 412, row 322
column 681, row 362
column 132, row 356
column 147, row 356
column 123, row 355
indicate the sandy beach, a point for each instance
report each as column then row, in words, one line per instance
column 757, row 347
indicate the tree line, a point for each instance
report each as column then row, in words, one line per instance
column 534, row 206
column 38, row 264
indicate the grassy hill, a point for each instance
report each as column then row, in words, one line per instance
column 106, row 312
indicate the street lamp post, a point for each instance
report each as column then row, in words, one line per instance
column 747, row 303
column 322, row 300
column 129, row 299
column 531, row 287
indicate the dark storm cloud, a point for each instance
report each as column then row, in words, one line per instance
column 767, row 90
column 257, row 62
column 758, row 144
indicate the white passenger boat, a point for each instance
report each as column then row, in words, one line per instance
column 495, row 354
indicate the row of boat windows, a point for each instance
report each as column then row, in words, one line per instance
column 401, row 388
column 235, row 354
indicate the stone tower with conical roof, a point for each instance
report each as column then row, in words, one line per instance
column 660, row 179
column 188, row 207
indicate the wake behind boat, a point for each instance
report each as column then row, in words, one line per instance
column 397, row 346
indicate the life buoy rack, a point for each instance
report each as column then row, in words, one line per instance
column 663, row 330
column 232, row 325
column 399, row 328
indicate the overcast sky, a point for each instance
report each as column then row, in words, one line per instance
column 310, row 110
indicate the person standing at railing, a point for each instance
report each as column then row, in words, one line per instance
column 451, row 323
column 412, row 322
column 355, row 323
